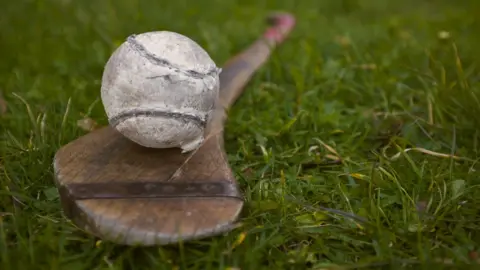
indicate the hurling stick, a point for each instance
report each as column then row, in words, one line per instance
column 122, row 192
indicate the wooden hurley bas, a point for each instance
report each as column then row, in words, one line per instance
column 128, row 194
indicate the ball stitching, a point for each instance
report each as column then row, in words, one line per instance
column 162, row 62
column 114, row 121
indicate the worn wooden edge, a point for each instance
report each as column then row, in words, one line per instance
column 111, row 231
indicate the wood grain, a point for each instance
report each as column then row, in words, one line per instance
column 105, row 156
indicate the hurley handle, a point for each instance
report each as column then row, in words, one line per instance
column 238, row 70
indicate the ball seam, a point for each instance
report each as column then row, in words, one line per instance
column 165, row 63
column 186, row 118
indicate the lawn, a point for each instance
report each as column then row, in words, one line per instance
column 369, row 110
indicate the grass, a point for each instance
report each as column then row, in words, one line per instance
column 328, row 122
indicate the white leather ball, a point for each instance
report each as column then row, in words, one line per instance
column 159, row 90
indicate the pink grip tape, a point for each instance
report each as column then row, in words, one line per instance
column 282, row 24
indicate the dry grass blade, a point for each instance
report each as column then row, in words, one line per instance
column 87, row 124
column 425, row 151
column 334, row 156
column 328, row 147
